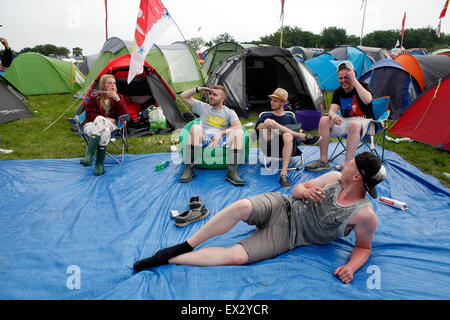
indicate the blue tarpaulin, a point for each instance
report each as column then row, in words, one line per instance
column 67, row 234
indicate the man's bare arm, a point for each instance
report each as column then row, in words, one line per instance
column 365, row 225
column 313, row 189
column 187, row 95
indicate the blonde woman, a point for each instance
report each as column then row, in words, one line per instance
column 102, row 110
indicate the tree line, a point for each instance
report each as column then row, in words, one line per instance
column 332, row 37
column 50, row 50
column 329, row 38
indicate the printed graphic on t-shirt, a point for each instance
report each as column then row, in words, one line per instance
column 350, row 107
column 215, row 121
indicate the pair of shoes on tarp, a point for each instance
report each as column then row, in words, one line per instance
column 196, row 212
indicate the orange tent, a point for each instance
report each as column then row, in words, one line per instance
column 412, row 66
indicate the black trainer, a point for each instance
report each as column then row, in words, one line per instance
column 312, row 140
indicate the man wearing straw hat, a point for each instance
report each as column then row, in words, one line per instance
column 272, row 126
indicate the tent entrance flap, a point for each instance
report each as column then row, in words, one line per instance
column 264, row 75
column 166, row 101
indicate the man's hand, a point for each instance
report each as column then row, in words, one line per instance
column 315, row 194
column 4, row 42
column 215, row 139
column 336, row 119
column 344, row 273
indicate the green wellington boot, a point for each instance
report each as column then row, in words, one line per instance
column 100, row 161
column 90, row 150
column 189, row 162
column 232, row 173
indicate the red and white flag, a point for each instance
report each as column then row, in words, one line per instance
column 282, row 9
column 403, row 24
column 444, row 10
column 152, row 20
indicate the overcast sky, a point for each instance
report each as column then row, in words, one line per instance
column 81, row 23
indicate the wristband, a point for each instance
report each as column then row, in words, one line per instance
column 196, row 89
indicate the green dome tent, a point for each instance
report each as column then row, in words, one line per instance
column 33, row 73
column 176, row 63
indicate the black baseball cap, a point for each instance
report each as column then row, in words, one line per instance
column 372, row 171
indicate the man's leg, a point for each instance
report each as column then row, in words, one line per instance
column 222, row 222
column 235, row 140
column 325, row 127
column 353, row 138
column 271, row 124
column 192, row 152
column 286, row 153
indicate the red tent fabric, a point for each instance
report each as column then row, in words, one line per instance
column 427, row 119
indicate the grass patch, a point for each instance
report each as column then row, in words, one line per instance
column 26, row 138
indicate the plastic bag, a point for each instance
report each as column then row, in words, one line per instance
column 157, row 119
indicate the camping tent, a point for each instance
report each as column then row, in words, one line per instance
column 145, row 87
column 112, row 48
column 252, row 74
column 426, row 120
column 176, row 63
column 303, row 53
column 87, row 63
column 375, row 53
column 12, row 106
column 388, row 78
column 33, row 73
column 426, row 69
column 219, row 52
column 324, row 66
column 442, row 51
column 360, row 59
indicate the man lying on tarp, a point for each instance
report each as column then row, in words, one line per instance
column 319, row 211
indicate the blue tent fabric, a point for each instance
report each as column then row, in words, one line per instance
column 324, row 66
column 66, row 234
column 387, row 77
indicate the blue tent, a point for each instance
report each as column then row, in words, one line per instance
column 387, row 77
column 324, row 66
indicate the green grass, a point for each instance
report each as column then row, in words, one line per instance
column 26, row 138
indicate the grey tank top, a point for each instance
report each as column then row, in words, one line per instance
column 321, row 223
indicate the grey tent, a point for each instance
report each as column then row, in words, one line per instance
column 87, row 63
column 12, row 106
column 252, row 74
column 303, row 53
column 375, row 53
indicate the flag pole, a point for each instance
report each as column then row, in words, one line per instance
column 106, row 18
column 282, row 23
column 362, row 27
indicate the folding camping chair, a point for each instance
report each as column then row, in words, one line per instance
column 381, row 111
column 266, row 160
column 119, row 134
